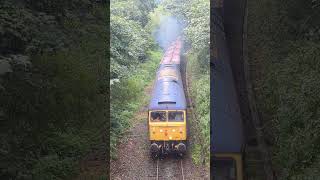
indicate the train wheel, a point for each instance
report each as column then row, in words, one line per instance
column 154, row 156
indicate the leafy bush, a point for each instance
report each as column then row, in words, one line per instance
column 296, row 118
column 134, row 59
column 130, row 39
column 283, row 49
column 52, row 99
column 201, row 98
column 134, row 10
column 52, row 167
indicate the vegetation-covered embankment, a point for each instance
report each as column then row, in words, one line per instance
column 195, row 14
column 134, row 60
column 284, row 49
column 53, row 86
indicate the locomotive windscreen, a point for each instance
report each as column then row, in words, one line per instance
column 166, row 102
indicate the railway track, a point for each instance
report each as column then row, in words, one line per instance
column 172, row 168
column 177, row 171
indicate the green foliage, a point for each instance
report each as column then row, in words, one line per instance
column 57, row 168
column 128, row 44
column 196, row 153
column 130, row 40
column 201, row 98
column 178, row 8
column 155, row 18
column 135, row 10
column 198, row 28
column 25, row 31
column 296, row 117
column 52, row 97
column 128, row 95
column 134, row 59
column 196, row 14
column 284, row 48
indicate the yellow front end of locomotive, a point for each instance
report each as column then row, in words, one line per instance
column 167, row 130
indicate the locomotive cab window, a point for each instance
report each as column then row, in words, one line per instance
column 176, row 116
column 158, row 116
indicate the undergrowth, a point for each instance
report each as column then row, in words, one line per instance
column 200, row 92
column 284, row 57
column 127, row 97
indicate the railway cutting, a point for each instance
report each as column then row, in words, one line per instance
column 134, row 160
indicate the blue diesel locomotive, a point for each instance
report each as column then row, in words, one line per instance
column 167, row 110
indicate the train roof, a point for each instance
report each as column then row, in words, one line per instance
column 168, row 93
column 172, row 54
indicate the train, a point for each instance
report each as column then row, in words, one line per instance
column 167, row 112
column 227, row 139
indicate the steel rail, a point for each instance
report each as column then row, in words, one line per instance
column 157, row 169
column 181, row 167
